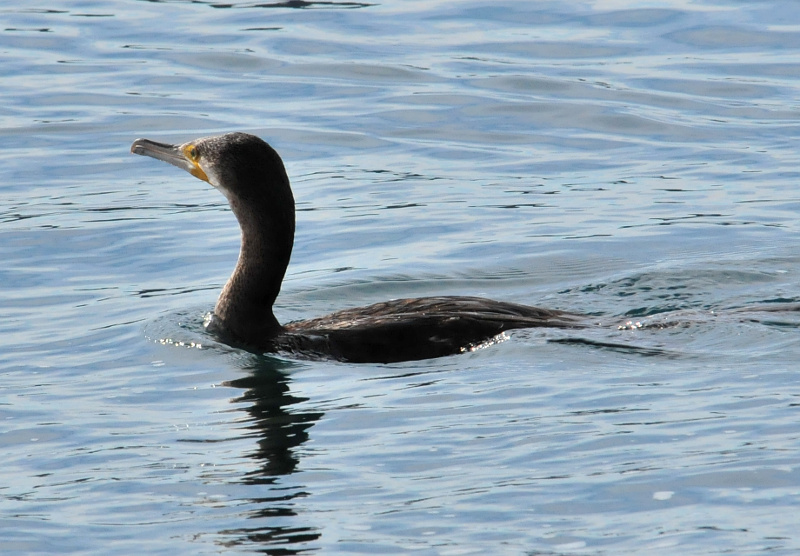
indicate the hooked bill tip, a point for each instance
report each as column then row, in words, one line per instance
column 136, row 146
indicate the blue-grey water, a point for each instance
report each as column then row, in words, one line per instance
column 638, row 161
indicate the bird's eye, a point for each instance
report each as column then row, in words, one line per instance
column 193, row 153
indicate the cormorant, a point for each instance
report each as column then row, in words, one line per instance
column 252, row 177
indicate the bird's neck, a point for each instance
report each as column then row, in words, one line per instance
column 245, row 305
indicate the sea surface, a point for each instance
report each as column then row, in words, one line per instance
column 636, row 161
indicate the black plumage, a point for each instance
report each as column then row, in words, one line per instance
column 252, row 177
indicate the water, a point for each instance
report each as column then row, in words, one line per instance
column 638, row 163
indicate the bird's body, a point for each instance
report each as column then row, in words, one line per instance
column 252, row 177
column 420, row 328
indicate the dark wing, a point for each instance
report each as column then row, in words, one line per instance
column 411, row 329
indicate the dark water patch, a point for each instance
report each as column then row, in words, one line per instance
column 627, row 349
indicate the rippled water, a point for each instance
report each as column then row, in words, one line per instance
column 632, row 162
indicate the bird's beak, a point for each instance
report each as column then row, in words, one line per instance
column 174, row 154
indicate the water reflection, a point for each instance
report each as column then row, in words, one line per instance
column 280, row 430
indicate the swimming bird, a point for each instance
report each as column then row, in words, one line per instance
column 251, row 175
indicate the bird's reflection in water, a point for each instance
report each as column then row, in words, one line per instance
column 280, row 430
